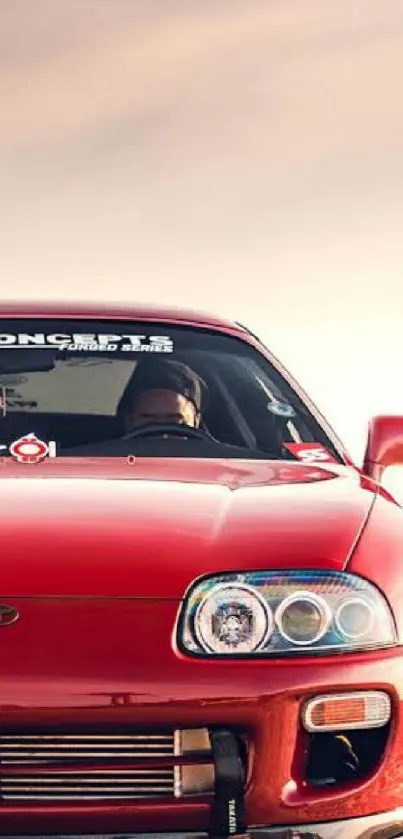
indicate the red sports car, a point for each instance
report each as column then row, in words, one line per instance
column 201, row 610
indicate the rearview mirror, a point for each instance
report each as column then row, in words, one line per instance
column 384, row 445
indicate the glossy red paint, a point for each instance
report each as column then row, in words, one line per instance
column 96, row 556
column 379, row 553
column 128, row 534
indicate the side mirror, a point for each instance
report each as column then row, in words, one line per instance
column 384, row 445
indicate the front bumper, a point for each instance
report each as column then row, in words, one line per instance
column 102, row 689
column 383, row 826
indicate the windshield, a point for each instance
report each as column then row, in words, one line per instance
column 104, row 388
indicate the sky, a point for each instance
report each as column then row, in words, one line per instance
column 243, row 156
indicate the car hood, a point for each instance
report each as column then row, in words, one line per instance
column 147, row 530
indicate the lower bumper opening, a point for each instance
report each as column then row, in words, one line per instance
column 344, row 757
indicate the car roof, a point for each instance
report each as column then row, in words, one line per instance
column 120, row 311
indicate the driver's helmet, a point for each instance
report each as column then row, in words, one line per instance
column 162, row 374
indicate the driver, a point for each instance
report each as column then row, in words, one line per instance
column 162, row 391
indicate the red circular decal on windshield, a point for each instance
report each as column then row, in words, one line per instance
column 29, row 449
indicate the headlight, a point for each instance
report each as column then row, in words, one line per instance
column 296, row 612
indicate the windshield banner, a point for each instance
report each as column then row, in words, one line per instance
column 86, row 342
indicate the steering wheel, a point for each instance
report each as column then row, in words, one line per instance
column 171, row 429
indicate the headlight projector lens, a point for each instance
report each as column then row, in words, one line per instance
column 233, row 618
column 303, row 618
column 354, row 618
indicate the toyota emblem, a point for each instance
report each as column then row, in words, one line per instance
column 8, row 615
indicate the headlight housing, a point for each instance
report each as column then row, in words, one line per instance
column 271, row 613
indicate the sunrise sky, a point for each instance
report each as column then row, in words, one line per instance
column 239, row 155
